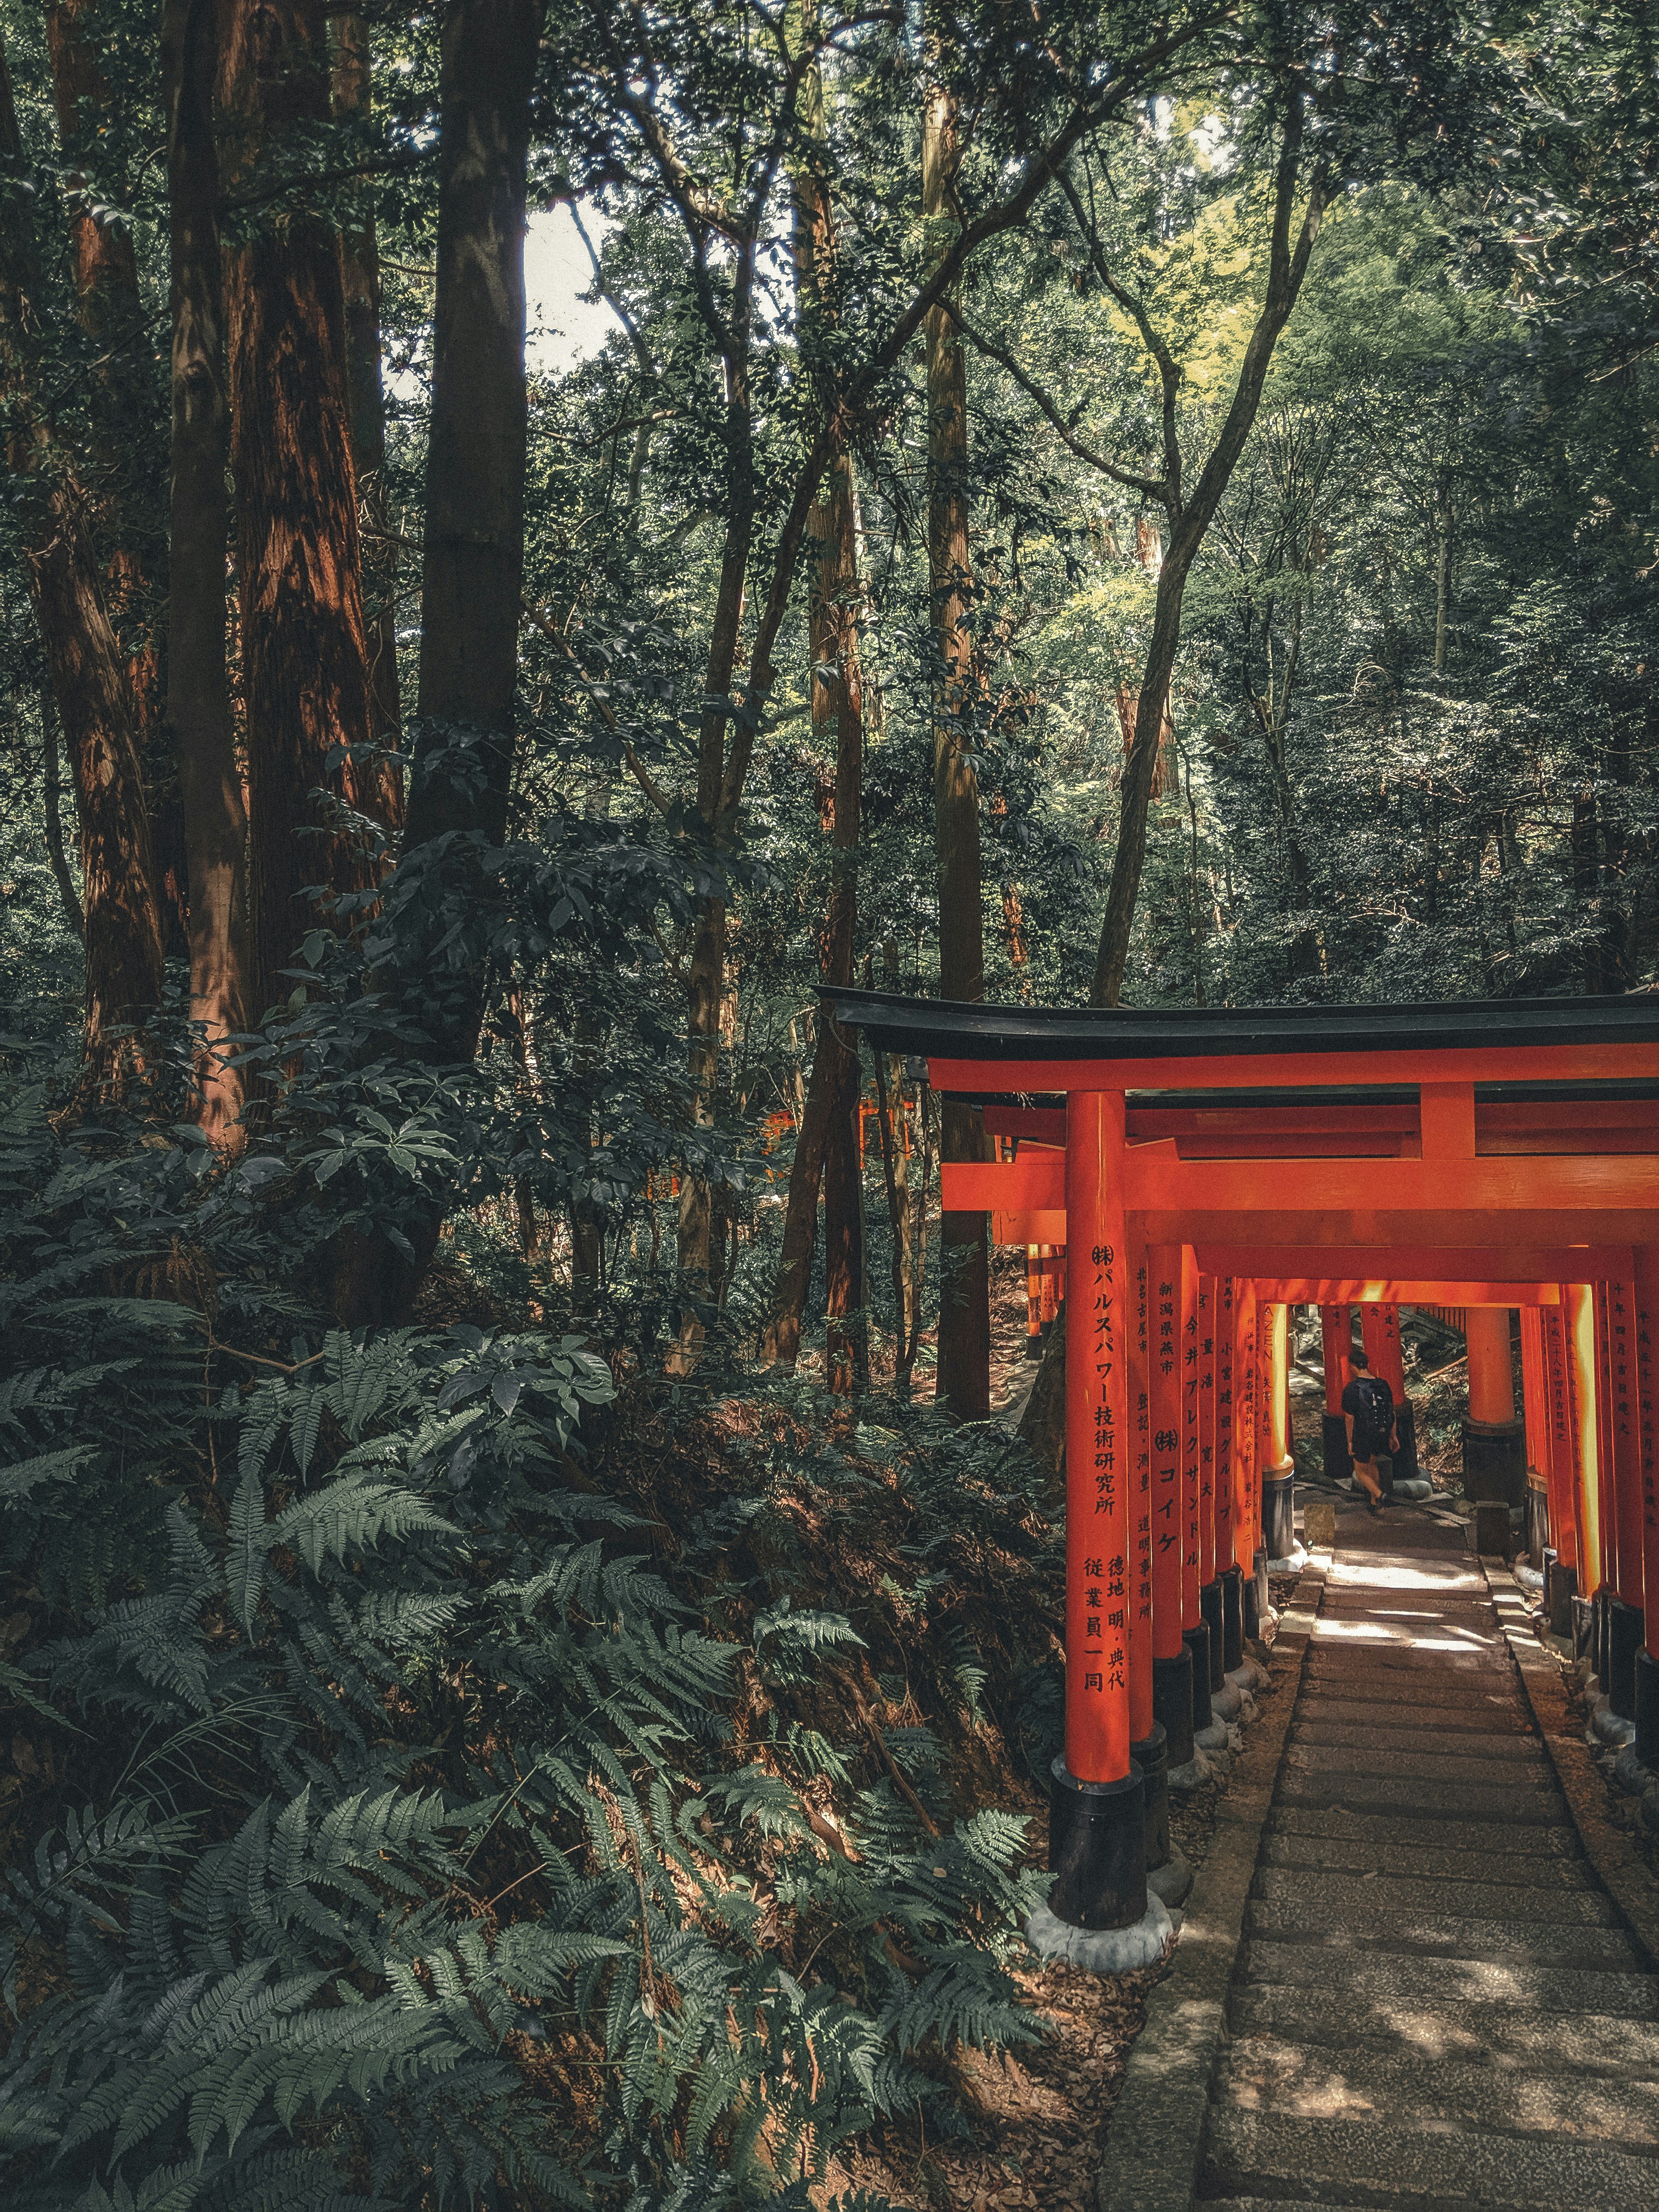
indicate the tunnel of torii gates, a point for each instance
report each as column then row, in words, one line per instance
column 1205, row 1171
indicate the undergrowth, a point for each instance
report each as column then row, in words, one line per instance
column 451, row 1768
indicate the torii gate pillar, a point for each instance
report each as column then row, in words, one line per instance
column 1494, row 1441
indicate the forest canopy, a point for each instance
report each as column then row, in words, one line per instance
column 529, row 1666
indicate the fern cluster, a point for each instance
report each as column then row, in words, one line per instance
column 422, row 1821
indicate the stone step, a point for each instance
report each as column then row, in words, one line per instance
column 1520, row 1873
column 1378, row 1896
column 1445, row 2032
column 1407, row 1795
column 1349, row 1662
column 1389, row 1979
column 1272, row 2154
column 1372, row 1830
column 1443, row 1933
column 1526, row 1766
column 1498, row 1712
column 1260, row 2072
column 1323, row 1734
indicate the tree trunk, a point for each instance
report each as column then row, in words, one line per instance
column 472, row 560
column 360, row 275
column 964, row 1323
column 1188, row 521
column 122, row 918
column 121, row 390
column 215, row 824
column 304, row 650
column 472, row 563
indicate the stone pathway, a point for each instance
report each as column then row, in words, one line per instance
column 1435, row 2006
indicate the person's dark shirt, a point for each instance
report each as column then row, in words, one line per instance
column 1370, row 1401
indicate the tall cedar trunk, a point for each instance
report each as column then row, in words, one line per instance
column 706, row 969
column 472, row 565
column 1188, row 521
column 125, row 470
column 304, row 651
column 826, row 1146
column 214, row 819
column 838, row 696
column 964, row 1324
column 51, row 791
column 120, row 909
column 360, row 275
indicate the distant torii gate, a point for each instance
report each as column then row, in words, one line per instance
column 1206, row 1170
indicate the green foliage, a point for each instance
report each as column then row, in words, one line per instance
column 405, row 1765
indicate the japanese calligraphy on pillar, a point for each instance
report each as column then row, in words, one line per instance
column 1165, row 1357
column 1143, row 1487
column 1223, row 1456
column 1098, row 1441
column 1190, row 1540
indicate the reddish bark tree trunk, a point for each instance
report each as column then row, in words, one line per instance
column 123, row 392
column 964, row 1324
column 122, row 920
column 214, row 820
column 304, row 650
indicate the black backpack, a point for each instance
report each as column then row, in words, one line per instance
column 1372, row 1429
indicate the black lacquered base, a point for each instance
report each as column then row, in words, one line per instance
column 1495, row 1462
column 1209, row 1599
column 1561, row 1588
column 1197, row 1641
column 1172, row 1703
column 1338, row 1460
column 1279, row 1513
column 1599, row 1604
column 1152, row 1756
column 1538, row 1524
column 1647, row 1710
column 1097, row 1848
column 1232, row 1619
column 1624, row 1626
column 1584, row 1630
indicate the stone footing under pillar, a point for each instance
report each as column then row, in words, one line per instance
column 1172, row 1703
column 1097, row 1848
column 1105, row 1950
column 1495, row 1462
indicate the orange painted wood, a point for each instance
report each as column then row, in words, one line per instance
column 1558, row 1396
column 1491, row 1385
column 1191, row 1610
column 1206, row 1429
column 1099, row 1315
column 1550, row 1063
column 1580, row 1313
column 1534, row 1394
column 1336, row 1336
column 1157, row 1179
column 1140, row 1549
column 1164, row 1365
column 1623, row 1429
column 1226, row 1293
column 1247, row 1491
column 1647, row 1399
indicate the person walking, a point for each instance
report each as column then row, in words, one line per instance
column 1368, row 1410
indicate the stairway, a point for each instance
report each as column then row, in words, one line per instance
column 1435, row 2006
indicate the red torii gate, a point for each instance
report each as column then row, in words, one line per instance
column 1207, row 1168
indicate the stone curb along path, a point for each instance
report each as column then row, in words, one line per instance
column 1158, row 2122
column 1619, row 1865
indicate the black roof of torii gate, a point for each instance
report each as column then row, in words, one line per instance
column 950, row 1029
